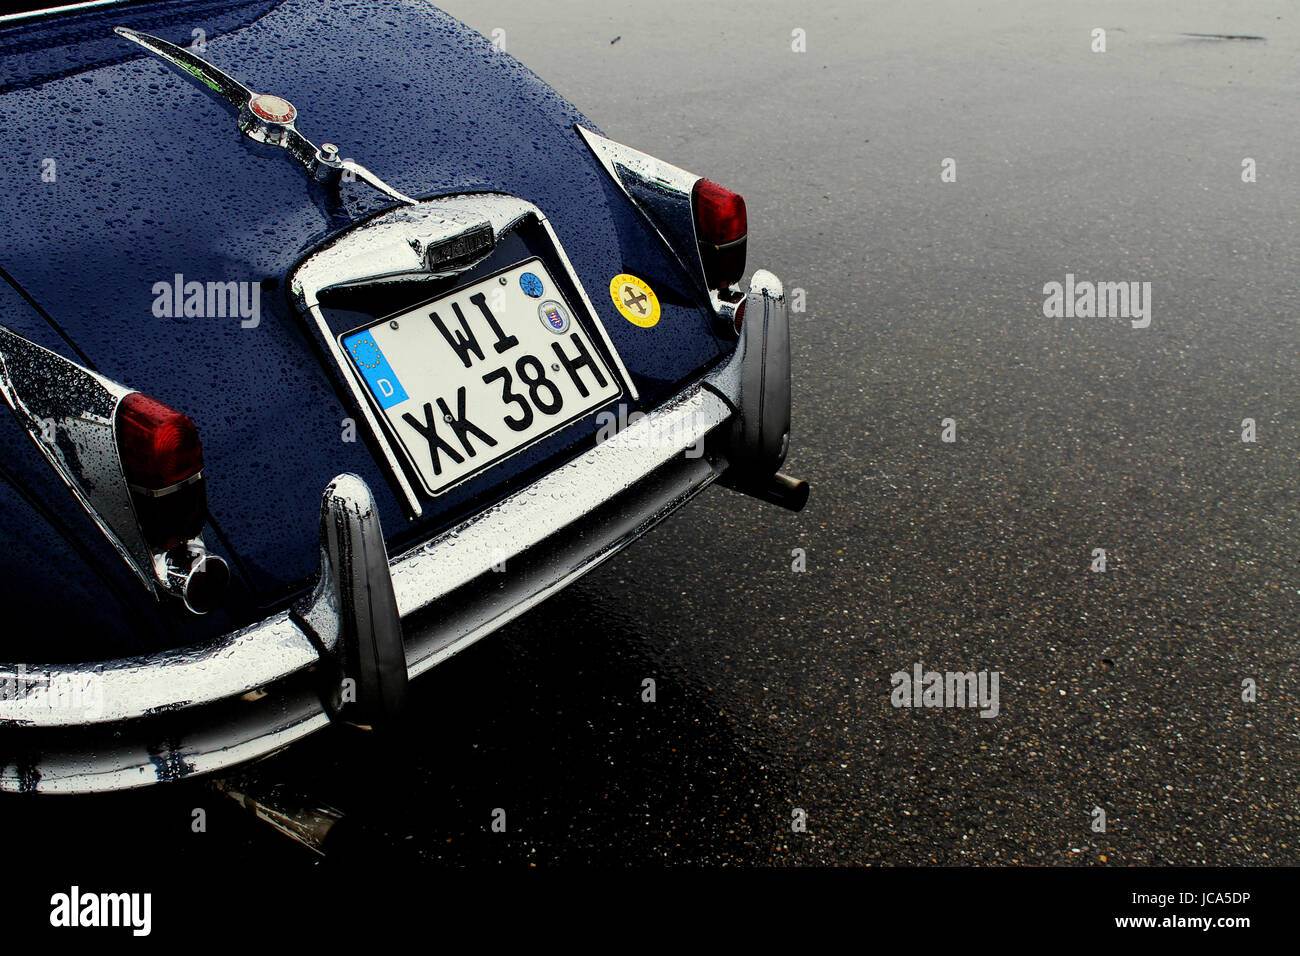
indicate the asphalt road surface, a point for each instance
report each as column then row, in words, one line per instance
column 1120, row 690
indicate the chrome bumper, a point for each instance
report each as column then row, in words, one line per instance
column 126, row 723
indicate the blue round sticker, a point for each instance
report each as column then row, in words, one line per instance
column 531, row 285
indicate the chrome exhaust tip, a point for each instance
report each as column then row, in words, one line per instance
column 778, row 489
column 205, row 584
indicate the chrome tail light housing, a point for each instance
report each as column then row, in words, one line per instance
column 133, row 464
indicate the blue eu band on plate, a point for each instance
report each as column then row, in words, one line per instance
column 374, row 368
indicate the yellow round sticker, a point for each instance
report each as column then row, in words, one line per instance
column 635, row 300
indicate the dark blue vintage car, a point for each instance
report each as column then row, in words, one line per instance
column 334, row 339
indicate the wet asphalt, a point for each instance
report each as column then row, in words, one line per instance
column 1119, row 690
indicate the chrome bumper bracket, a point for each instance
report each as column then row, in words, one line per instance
column 352, row 612
column 761, row 431
column 759, row 437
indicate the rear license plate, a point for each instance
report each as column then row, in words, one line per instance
column 475, row 376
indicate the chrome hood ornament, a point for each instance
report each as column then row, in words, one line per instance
column 263, row 117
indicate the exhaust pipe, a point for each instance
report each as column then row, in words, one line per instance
column 196, row 577
column 778, row 489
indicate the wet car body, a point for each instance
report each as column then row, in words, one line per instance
column 131, row 196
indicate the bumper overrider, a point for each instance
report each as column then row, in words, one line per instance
column 372, row 623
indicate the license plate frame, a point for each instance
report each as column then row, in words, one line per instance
column 510, row 319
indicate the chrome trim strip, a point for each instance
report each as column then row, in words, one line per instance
column 193, row 67
column 392, row 247
column 129, row 688
column 164, row 492
column 116, row 764
column 47, row 11
column 262, row 117
column 660, row 191
column 70, row 414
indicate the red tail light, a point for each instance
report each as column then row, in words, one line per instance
column 721, row 226
column 162, row 460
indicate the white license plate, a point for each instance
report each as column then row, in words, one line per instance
column 471, row 378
